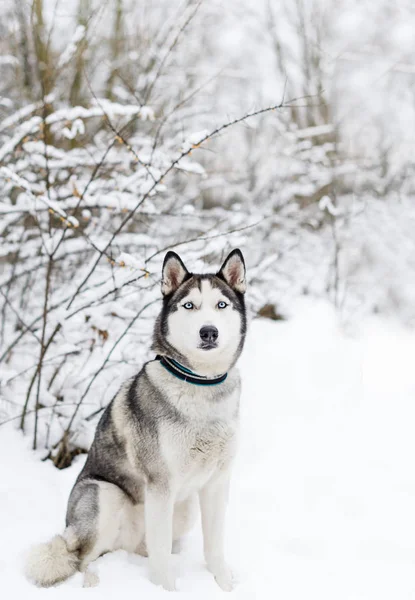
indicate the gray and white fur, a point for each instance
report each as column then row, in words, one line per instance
column 163, row 445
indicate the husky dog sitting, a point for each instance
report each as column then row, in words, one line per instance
column 167, row 439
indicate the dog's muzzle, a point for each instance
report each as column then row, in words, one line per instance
column 209, row 335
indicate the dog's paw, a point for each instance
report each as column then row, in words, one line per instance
column 142, row 549
column 225, row 578
column 166, row 580
column 91, row 579
column 176, row 547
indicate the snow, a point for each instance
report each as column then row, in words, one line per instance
column 325, row 203
column 77, row 127
column 147, row 113
column 72, row 47
column 194, row 139
column 323, row 492
column 315, row 131
column 24, row 112
column 127, row 260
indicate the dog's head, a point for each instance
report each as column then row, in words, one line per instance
column 203, row 321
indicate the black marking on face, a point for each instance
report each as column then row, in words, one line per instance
column 171, row 303
column 184, row 290
column 236, row 299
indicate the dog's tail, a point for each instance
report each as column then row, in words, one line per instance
column 53, row 561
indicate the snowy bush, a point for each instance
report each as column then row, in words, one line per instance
column 125, row 134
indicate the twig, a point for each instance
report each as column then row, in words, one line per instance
column 172, row 165
column 204, row 238
column 105, row 362
column 7, row 302
column 30, row 412
column 171, row 48
column 23, row 415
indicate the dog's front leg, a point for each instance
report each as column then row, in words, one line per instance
column 159, row 505
column 213, row 501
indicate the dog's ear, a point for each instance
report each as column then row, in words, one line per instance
column 233, row 271
column 173, row 274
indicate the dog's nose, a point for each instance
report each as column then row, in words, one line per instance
column 208, row 333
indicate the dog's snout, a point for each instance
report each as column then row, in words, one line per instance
column 209, row 333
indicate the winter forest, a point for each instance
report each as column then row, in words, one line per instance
column 282, row 127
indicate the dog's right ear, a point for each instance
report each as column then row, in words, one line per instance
column 173, row 274
column 233, row 271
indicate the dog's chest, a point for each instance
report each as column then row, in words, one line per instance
column 194, row 454
column 211, row 443
column 202, row 442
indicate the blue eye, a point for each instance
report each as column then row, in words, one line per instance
column 222, row 304
column 188, row 305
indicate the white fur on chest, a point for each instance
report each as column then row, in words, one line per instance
column 205, row 439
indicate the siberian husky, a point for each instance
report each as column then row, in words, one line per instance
column 167, row 439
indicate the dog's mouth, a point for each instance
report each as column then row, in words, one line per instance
column 208, row 345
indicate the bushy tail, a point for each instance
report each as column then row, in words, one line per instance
column 52, row 562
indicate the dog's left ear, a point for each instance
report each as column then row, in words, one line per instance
column 173, row 274
column 233, row 271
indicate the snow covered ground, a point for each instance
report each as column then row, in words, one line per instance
column 323, row 496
